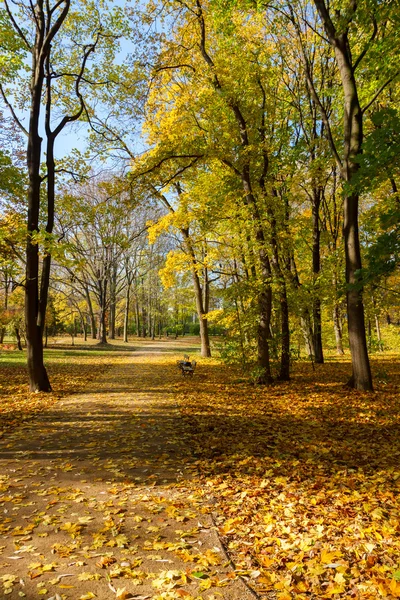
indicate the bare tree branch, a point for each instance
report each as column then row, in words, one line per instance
column 7, row 102
column 367, row 46
column 378, row 93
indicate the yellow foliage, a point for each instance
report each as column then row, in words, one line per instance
column 176, row 262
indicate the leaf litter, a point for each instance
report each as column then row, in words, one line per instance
column 113, row 494
column 305, row 480
column 99, row 497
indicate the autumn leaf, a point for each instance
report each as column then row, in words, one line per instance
column 87, row 596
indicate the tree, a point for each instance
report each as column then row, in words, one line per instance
column 44, row 31
column 100, row 230
column 339, row 24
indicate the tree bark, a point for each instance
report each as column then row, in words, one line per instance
column 338, row 330
column 361, row 378
column 316, row 261
column 126, row 313
column 18, row 336
column 284, row 370
column 102, row 286
column 113, row 300
column 38, row 379
column 91, row 314
column 137, row 315
column 377, row 325
column 200, row 305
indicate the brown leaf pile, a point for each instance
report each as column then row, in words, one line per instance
column 305, row 477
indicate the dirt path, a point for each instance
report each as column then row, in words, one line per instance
column 96, row 496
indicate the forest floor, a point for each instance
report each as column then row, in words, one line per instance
column 140, row 482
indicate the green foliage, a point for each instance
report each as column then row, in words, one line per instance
column 380, row 159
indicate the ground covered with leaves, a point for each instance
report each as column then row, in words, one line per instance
column 128, row 487
column 98, row 495
column 69, row 370
column 306, row 479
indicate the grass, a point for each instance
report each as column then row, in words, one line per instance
column 69, row 371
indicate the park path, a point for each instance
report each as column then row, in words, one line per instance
column 98, row 496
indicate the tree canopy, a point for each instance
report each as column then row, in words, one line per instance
column 240, row 173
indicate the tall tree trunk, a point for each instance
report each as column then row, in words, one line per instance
column 92, row 316
column 377, row 325
column 113, row 300
column 316, row 261
column 102, row 287
column 137, row 315
column 308, row 334
column 18, row 336
column 202, row 314
column 284, row 370
column 338, row 330
column 305, row 318
column 46, row 27
column 3, row 329
column 378, row 333
column 361, row 378
column 126, row 312
column 38, row 379
column 201, row 301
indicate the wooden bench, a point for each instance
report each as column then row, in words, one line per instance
column 186, row 366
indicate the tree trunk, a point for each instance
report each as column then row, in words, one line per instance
column 112, row 312
column 308, row 334
column 201, row 303
column 137, row 316
column 284, row 370
column 18, row 336
column 143, row 321
column 103, row 327
column 377, row 326
column 204, row 336
column 102, row 286
column 38, row 379
column 361, row 377
column 3, row 329
column 316, row 261
column 338, row 330
column 126, row 313
column 378, row 333
column 91, row 314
